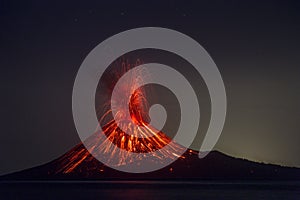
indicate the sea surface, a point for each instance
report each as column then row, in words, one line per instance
column 149, row 190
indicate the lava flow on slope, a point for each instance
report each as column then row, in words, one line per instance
column 129, row 141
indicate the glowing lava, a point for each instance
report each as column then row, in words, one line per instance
column 109, row 138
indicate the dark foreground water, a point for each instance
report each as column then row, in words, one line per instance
column 148, row 190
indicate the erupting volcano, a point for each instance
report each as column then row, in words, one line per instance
column 133, row 140
column 129, row 140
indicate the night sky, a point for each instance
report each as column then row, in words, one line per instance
column 256, row 46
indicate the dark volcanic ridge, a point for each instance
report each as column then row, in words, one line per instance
column 215, row 166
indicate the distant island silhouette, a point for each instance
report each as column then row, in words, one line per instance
column 215, row 166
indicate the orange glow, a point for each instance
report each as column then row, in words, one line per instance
column 137, row 139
